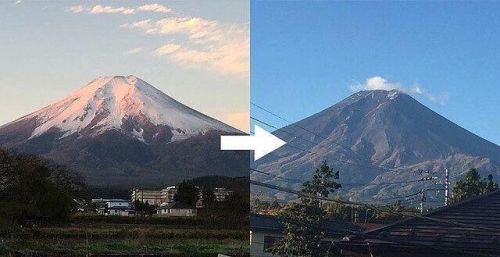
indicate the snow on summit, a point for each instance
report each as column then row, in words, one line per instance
column 123, row 103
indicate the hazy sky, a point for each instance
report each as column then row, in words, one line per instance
column 309, row 55
column 196, row 51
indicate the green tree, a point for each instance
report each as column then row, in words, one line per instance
column 275, row 205
column 32, row 188
column 139, row 207
column 208, row 197
column 473, row 185
column 149, row 209
column 236, row 207
column 305, row 220
column 187, row 193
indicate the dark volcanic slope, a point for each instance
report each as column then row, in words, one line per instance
column 113, row 158
column 387, row 136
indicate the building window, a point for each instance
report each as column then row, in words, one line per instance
column 270, row 241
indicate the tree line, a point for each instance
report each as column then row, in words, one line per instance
column 35, row 190
column 305, row 220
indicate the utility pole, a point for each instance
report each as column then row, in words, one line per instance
column 446, row 187
column 422, row 200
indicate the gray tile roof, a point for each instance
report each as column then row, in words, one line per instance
column 481, row 235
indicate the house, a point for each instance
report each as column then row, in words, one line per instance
column 468, row 228
column 119, row 211
column 177, row 209
column 221, row 194
column 266, row 230
column 113, row 206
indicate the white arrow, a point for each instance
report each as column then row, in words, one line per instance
column 261, row 143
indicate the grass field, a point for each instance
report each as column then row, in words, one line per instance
column 88, row 237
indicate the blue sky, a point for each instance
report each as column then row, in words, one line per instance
column 306, row 56
column 195, row 51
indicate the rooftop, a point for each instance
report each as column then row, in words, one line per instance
column 267, row 223
column 471, row 226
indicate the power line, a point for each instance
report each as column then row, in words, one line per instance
column 300, row 127
column 352, row 184
column 289, row 122
column 291, row 145
column 364, row 158
column 301, row 194
column 343, row 146
column 282, row 130
column 347, row 184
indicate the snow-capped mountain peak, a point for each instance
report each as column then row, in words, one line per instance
column 124, row 103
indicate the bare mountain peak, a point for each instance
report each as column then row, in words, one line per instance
column 378, row 135
column 379, row 94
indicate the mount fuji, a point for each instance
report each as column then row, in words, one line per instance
column 384, row 143
column 120, row 130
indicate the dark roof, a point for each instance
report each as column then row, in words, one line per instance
column 109, row 200
column 267, row 223
column 123, row 208
column 177, row 205
column 483, row 213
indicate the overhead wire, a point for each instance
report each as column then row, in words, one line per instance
column 289, row 144
column 370, row 206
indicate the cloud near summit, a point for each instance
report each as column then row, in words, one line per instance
column 380, row 83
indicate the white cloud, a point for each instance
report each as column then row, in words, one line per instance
column 133, row 51
column 193, row 41
column 144, row 24
column 100, row 9
column 380, row 83
column 78, row 9
column 154, row 8
column 206, row 43
column 167, row 49
column 18, row 2
column 376, row 83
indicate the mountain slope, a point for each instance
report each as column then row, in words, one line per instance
column 122, row 130
column 376, row 137
column 126, row 103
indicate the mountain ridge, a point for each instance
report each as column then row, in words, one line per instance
column 377, row 136
column 120, row 102
column 119, row 130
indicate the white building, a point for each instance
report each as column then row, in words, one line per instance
column 113, row 206
column 167, row 195
column 177, row 209
column 152, row 197
column 119, row 211
column 221, row 194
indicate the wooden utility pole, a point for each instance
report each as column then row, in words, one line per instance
column 446, row 187
column 422, row 200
